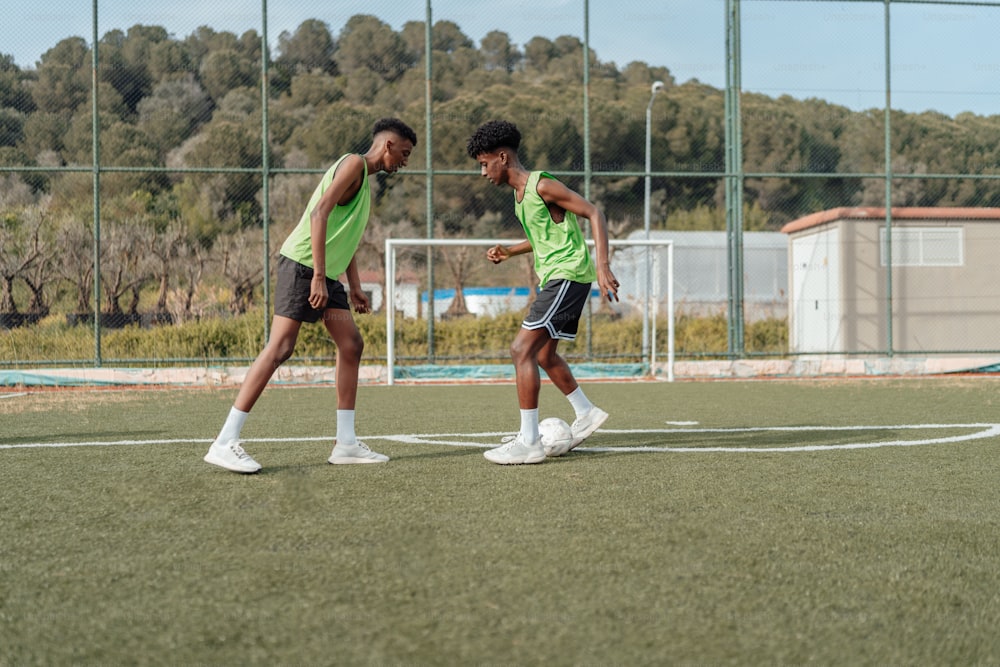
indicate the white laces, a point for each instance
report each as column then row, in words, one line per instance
column 509, row 441
column 238, row 450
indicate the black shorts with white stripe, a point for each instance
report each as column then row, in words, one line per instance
column 558, row 308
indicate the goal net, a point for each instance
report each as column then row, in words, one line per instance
column 455, row 313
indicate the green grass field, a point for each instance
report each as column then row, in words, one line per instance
column 850, row 522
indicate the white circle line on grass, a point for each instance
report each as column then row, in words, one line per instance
column 984, row 430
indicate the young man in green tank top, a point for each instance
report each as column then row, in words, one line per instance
column 548, row 211
column 315, row 254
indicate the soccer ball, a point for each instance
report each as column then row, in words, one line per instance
column 557, row 437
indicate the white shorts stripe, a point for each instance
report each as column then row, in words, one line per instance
column 546, row 319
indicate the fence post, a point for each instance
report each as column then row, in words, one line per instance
column 96, row 141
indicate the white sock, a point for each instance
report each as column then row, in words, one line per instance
column 233, row 426
column 345, row 427
column 529, row 425
column 581, row 404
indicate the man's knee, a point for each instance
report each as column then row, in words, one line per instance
column 351, row 346
column 526, row 346
column 279, row 351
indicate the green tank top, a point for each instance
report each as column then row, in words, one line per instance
column 344, row 227
column 560, row 248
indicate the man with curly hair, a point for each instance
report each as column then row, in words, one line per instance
column 548, row 212
column 313, row 257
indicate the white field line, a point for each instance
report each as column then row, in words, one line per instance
column 466, row 439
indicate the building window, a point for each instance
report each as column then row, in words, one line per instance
column 923, row 246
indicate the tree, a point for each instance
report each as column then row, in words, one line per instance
column 227, row 196
column 224, row 70
column 172, row 111
column 309, row 49
column 20, row 240
column 170, row 60
column 451, row 70
column 447, row 37
column 314, row 89
column 123, row 266
column 123, row 62
column 538, row 52
column 498, row 53
column 368, row 44
column 44, row 133
column 164, row 251
column 191, row 261
column 76, row 265
column 337, row 129
column 241, row 255
column 63, row 76
column 11, row 127
column 412, row 35
column 15, row 91
column 40, row 274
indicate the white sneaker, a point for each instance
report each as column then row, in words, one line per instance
column 583, row 426
column 514, row 451
column 231, row 456
column 356, row 453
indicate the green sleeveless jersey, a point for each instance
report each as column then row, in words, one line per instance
column 344, row 227
column 560, row 248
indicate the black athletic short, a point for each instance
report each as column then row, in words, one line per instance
column 291, row 294
column 557, row 308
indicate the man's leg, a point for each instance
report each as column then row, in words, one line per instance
column 284, row 333
column 526, row 447
column 524, row 352
column 556, row 367
column 350, row 346
column 226, row 451
column 589, row 417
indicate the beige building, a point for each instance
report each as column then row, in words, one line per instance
column 945, row 280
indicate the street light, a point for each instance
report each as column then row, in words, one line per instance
column 657, row 87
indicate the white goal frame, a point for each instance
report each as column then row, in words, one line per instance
column 648, row 317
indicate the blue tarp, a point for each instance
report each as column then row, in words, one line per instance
column 506, row 371
column 117, row 377
column 29, row 379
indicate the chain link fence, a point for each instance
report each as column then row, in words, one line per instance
column 147, row 183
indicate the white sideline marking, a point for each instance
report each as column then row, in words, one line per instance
column 21, row 393
column 463, row 439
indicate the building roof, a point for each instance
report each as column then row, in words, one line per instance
column 898, row 213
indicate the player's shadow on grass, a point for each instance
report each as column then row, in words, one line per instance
column 396, row 457
column 75, row 439
column 447, row 453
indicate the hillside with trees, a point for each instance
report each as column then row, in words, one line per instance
column 180, row 123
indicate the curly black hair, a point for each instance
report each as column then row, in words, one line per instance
column 492, row 135
column 397, row 126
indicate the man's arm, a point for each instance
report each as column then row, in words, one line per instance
column 555, row 192
column 357, row 295
column 346, row 181
column 499, row 253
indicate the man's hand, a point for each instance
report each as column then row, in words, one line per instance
column 318, row 296
column 608, row 284
column 360, row 301
column 497, row 254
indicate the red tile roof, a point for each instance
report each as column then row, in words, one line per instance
column 898, row 213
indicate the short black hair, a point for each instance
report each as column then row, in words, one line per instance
column 397, row 126
column 492, row 135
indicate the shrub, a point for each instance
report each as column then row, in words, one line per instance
column 459, row 340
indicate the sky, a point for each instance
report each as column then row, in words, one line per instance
column 944, row 57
